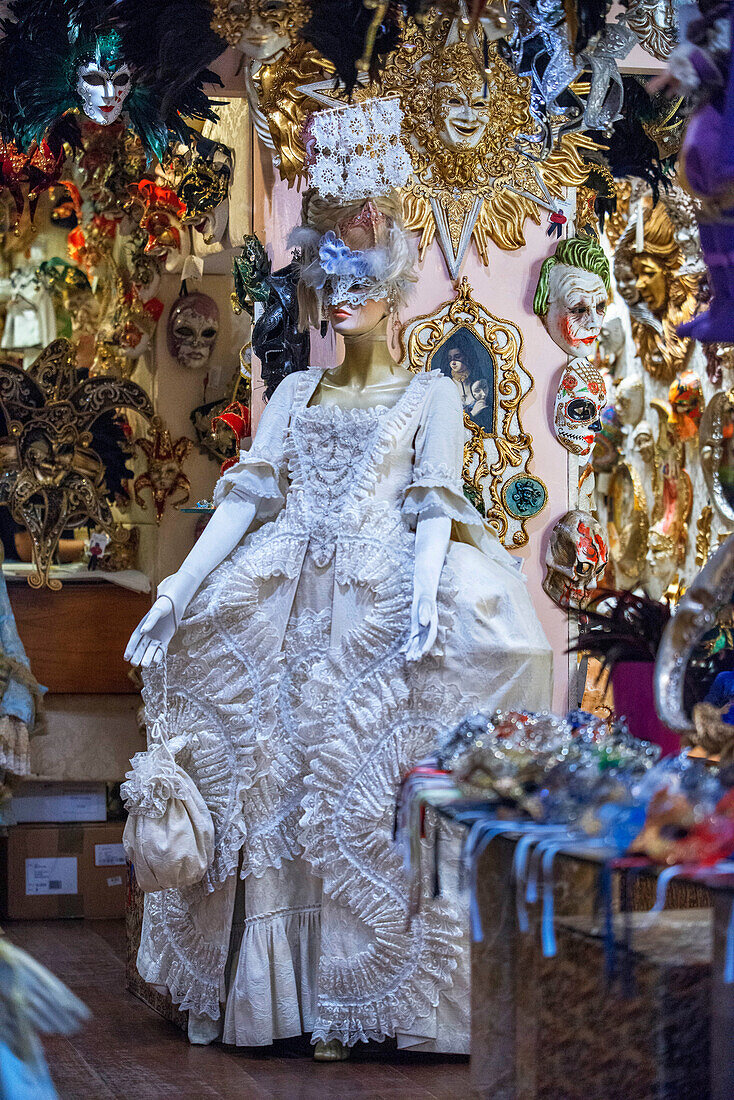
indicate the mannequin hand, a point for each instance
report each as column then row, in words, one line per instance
column 423, row 627
column 149, row 641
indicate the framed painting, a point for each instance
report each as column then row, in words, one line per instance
column 481, row 353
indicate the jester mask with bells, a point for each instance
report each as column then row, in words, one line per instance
column 572, row 295
column 351, row 253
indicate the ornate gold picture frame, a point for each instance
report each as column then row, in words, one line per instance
column 481, row 353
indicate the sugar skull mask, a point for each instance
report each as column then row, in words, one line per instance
column 580, row 400
column 686, row 405
column 193, row 324
column 576, row 558
column 572, row 293
column 102, row 92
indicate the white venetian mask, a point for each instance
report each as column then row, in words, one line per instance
column 576, row 307
column 103, row 93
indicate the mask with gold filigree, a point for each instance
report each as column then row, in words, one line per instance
column 259, row 28
column 56, row 477
column 162, row 217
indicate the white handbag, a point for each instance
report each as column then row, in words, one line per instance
column 169, row 835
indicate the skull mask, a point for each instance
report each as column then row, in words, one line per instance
column 193, row 324
column 580, row 400
column 576, row 558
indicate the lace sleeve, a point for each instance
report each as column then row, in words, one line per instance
column 260, row 474
column 437, row 486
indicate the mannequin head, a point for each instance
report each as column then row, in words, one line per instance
column 355, row 263
column 572, row 294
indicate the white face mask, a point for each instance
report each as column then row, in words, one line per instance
column 102, row 93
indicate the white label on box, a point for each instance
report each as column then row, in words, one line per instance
column 115, row 881
column 54, row 875
column 55, row 803
column 109, row 855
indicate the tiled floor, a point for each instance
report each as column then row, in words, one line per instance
column 129, row 1053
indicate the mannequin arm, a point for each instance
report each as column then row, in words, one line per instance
column 431, row 543
column 224, row 531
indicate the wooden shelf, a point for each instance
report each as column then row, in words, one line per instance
column 75, row 638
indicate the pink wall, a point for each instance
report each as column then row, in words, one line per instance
column 506, row 288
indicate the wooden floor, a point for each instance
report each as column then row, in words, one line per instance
column 129, row 1052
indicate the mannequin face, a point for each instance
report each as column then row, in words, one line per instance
column 576, row 308
column 354, row 321
column 102, row 93
column 460, row 117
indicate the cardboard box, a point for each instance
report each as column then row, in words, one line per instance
column 51, row 871
column 55, row 802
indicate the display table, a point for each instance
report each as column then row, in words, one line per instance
column 557, row 1029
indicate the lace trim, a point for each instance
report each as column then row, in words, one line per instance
column 173, row 954
column 366, row 732
column 153, row 780
column 15, row 754
column 254, row 478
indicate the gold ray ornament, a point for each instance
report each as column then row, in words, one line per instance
column 475, row 176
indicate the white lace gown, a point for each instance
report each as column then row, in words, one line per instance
column 298, row 716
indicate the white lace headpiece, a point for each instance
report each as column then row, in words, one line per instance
column 357, row 150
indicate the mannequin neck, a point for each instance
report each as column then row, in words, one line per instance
column 367, row 359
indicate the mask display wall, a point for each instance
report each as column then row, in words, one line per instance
column 572, row 294
column 576, row 558
column 193, row 324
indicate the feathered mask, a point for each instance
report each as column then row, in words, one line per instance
column 58, row 56
column 332, row 272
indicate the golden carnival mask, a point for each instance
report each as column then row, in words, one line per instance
column 52, row 478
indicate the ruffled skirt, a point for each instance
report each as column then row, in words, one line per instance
column 320, row 732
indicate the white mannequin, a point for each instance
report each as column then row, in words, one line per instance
column 368, row 376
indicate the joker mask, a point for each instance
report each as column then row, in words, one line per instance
column 576, row 307
column 193, row 324
column 580, row 400
column 102, row 93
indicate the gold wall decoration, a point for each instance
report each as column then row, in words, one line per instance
column 51, row 478
column 672, row 488
column 481, row 353
column 655, row 24
column 628, row 525
column 659, row 293
column 703, row 535
column 716, row 437
column 475, row 176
